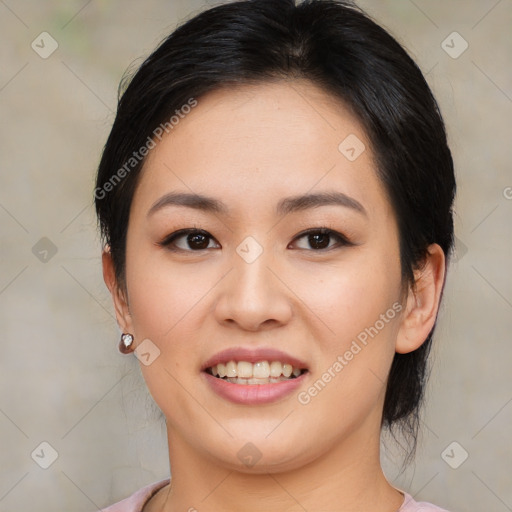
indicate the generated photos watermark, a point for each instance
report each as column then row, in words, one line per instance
column 138, row 156
column 361, row 341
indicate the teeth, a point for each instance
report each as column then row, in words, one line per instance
column 270, row 380
column 262, row 372
column 244, row 370
column 275, row 369
column 221, row 370
column 287, row 370
column 231, row 369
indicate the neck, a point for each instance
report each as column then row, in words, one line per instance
column 347, row 477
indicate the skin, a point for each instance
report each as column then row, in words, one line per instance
column 250, row 147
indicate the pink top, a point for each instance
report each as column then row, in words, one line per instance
column 136, row 502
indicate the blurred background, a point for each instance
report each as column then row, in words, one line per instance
column 78, row 429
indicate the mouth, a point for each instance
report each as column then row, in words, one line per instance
column 254, row 375
column 257, row 373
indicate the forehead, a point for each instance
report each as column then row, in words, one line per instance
column 252, row 144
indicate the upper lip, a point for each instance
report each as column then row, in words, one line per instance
column 253, row 355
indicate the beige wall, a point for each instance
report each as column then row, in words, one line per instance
column 62, row 380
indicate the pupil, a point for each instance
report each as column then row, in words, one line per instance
column 319, row 241
column 195, row 241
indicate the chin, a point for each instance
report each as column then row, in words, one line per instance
column 261, row 456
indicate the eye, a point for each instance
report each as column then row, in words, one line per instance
column 320, row 239
column 194, row 240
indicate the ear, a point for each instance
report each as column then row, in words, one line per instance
column 422, row 302
column 119, row 299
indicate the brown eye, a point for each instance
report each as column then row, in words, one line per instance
column 321, row 239
column 193, row 240
column 197, row 241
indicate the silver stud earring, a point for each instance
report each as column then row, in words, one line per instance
column 125, row 343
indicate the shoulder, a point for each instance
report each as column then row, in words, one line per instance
column 138, row 499
column 411, row 505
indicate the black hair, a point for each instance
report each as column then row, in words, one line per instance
column 336, row 46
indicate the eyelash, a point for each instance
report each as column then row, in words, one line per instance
column 170, row 239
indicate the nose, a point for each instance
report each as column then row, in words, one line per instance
column 252, row 297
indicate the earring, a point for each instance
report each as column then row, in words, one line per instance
column 125, row 343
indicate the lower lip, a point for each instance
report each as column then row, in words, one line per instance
column 253, row 394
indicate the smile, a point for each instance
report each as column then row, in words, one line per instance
column 261, row 372
column 254, row 375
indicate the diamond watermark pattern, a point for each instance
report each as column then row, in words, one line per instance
column 147, row 352
column 44, row 455
column 249, row 250
column 454, row 455
column 351, row 147
column 249, row 454
column 44, row 45
column 454, row 45
column 44, row 250
column 460, row 249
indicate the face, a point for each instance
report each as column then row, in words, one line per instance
column 294, row 249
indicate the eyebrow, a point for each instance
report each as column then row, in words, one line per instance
column 284, row 207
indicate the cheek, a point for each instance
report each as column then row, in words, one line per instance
column 355, row 313
column 348, row 297
column 163, row 295
column 165, row 300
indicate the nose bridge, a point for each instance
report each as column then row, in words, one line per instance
column 252, row 295
column 251, row 273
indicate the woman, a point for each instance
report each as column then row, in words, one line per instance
column 275, row 198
